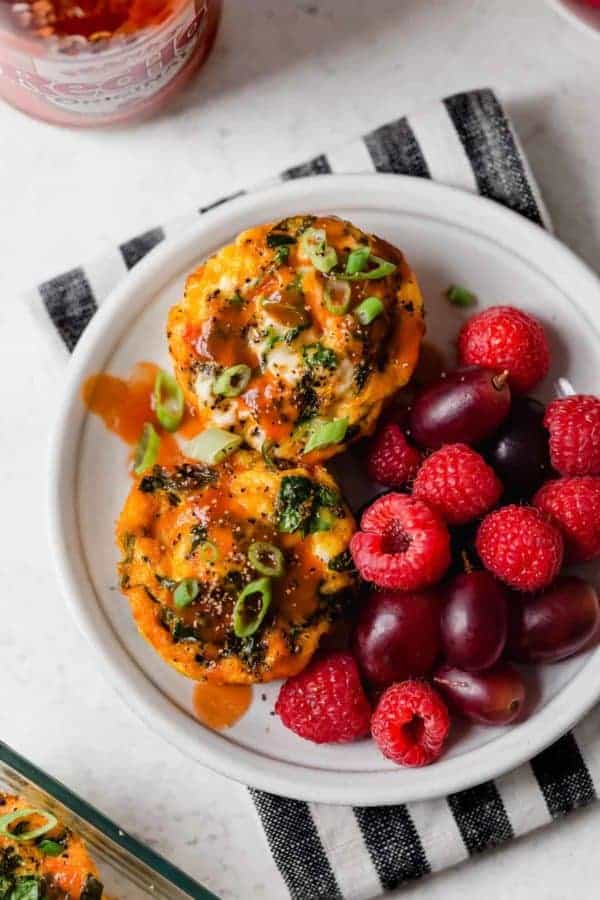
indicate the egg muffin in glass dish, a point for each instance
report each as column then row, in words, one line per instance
column 41, row 859
column 294, row 335
column 235, row 571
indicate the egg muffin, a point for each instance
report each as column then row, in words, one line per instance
column 294, row 335
column 40, row 858
column 234, row 572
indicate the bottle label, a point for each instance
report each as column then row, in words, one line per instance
column 102, row 84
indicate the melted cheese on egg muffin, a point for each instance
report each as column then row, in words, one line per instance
column 234, row 572
column 294, row 335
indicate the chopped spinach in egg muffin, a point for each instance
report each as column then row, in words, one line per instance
column 40, row 859
column 294, row 335
column 234, row 572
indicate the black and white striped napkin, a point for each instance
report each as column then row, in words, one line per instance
column 343, row 853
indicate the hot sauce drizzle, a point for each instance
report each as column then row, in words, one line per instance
column 125, row 405
column 221, row 340
column 220, row 706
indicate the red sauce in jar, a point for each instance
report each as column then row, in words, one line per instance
column 94, row 62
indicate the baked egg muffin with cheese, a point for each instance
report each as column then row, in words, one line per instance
column 294, row 336
column 235, row 571
column 41, row 859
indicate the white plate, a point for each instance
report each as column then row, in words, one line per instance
column 449, row 236
column 586, row 18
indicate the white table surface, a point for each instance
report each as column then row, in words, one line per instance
column 287, row 78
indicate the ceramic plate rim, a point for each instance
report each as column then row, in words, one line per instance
column 379, row 192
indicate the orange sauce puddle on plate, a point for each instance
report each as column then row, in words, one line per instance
column 125, row 405
column 220, row 706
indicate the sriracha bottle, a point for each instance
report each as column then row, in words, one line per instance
column 95, row 62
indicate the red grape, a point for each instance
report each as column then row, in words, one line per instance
column 474, row 621
column 466, row 406
column 553, row 625
column 519, row 452
column 397, row 636
column 493, row 697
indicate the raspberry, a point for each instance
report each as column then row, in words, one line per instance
column 505, row 338
column 573, row 505
column 520, row 546
column 390, row 458
column 410, row 724
column 326, row 703
column 457, row 482
column 403, row 544
column 574, row 426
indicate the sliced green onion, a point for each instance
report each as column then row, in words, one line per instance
column 5, row 821
column 312, row 239
column 368, row 310
column 146, row 452
column 51, row 848
column 313, row 244
column 266, row 559
column 381, row 270
column 168, row 401
column 325, row 433
column 323, row 520
column 232, row 381
column 186, row 591
column 460, row 296
column 325, row 261
column 357, row 260
column 212, row 446
column 209, row 551
column 337, row 296
column 246, row 622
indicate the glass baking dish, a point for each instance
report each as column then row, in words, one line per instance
column 128, row 869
